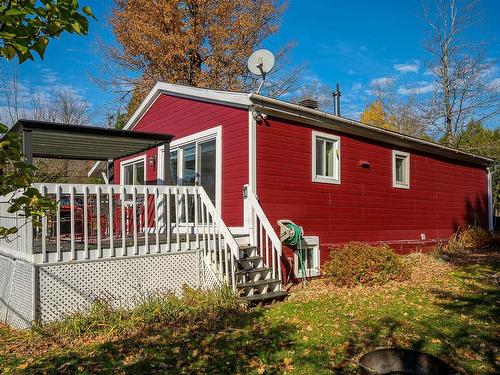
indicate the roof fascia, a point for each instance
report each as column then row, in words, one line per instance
column 302, row 114
column 234, row 99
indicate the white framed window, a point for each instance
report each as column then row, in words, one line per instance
column 325, row 158
column 311, row 258
column 400, row 169
column 133, row 171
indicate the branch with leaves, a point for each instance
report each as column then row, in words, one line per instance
column 15, row 184
column 27, row 25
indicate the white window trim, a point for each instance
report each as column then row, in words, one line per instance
column 397, row 184
column 325, row 179
column 133, row 160
column 309, row 242
column 205, row 135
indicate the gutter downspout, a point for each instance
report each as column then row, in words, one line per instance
column 491, row 223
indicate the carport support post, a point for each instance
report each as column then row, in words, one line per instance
column 110, row 173
column 27, row 146
column 166, row 165
column 28, row 159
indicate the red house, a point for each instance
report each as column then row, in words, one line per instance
column 339, row 179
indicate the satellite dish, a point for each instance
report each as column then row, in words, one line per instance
column 260, row 63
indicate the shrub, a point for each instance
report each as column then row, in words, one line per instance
column 470, row 239
column 357, row 263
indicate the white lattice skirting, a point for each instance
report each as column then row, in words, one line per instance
column 52, row 291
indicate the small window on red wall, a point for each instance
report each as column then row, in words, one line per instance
column 401, row 169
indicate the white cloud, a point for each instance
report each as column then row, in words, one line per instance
column 495, row 84
column 381, row 81
column 408, row 67
column 420, row 88
column 357, row 86
column 49, row 76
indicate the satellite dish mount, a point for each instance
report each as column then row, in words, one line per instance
column 260, row 63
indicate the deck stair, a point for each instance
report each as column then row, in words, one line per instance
column 254, row 280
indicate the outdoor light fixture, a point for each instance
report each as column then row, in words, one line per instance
column 152, row 160
column 364, row 164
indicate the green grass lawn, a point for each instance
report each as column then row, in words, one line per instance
column 447, row 310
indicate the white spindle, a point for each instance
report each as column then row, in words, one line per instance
column 58, row 224
column 266, row 237
column 86, row 222
column 261, row 240
column 134, row 218
column 110, row 221
column 123, row 221
column 233, row 277
column 72, row 222
column 146, row 220
column 177, row 204
column 226, row 260
column 278, row 255
column 44, row 229
column 98, row 221
column 196, row 224
column 157, row 220
column 168, row 227
column 204, row 246
column 186, row 209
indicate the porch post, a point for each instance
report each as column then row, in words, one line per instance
column 27, row 146
column 28, row 159
column 166, row 165
column 110, row 172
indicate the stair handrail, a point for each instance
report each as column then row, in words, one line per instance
column 256, row 212
column 225, row 232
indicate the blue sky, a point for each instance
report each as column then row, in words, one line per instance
column 351, row 42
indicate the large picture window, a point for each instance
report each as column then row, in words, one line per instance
column 326, row 158
column 400, row 169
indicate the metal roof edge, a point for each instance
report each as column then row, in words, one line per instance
column 299, row 113
column 235, row 99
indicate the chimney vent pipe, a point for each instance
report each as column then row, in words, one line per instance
column 336, row 96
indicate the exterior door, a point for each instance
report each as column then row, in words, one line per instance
column 196, row 160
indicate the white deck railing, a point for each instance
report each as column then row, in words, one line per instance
column 112, row 221
column 262, row 235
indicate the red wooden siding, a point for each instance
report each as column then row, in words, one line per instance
column 182, row 117
column 443, row 194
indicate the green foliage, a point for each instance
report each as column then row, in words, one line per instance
column 27, row 25
column 15, row 184
column 480, row 140
column 356, row 263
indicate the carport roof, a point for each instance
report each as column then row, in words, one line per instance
column 65, row 141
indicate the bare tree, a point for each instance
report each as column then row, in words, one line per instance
column 57, row 105
column 315, row 90
column 60, row 105
column 460, row 68
column 11, row 92
column 402, row 113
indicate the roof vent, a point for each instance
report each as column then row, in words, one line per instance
column 309, row 103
